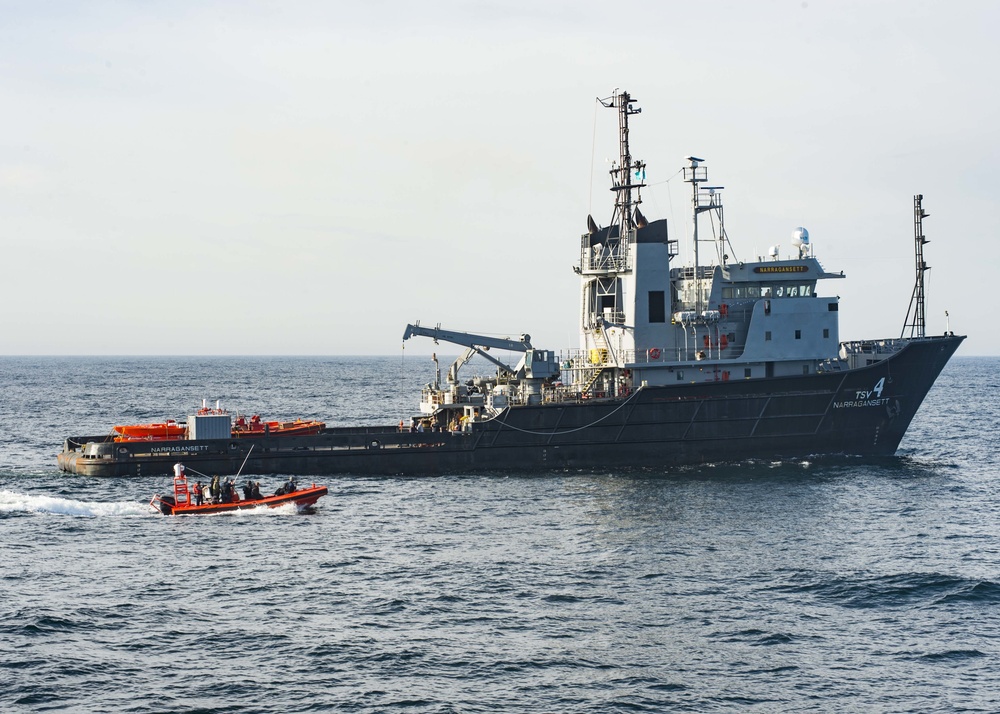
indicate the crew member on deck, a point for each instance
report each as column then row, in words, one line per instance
column 198, row 496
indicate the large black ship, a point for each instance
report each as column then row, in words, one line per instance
column 727, row 360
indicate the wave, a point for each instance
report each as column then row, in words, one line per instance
column 952, row 655
column 981, row 591
column 903, row 589
column 757, row 638
column 14, row 502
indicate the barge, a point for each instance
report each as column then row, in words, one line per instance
column 714, row 360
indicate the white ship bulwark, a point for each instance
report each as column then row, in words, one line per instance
column 727, row 357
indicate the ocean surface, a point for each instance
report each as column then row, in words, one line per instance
column 828, row 585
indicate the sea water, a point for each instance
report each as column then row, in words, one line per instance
column 817, row 585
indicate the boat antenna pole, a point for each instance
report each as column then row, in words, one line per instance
column 244, row 461
column 694, row 175
column 917, row 325
column 627, row 213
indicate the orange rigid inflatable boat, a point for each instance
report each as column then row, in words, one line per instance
column 255, row 427
column 169, row 429
column 182, row 500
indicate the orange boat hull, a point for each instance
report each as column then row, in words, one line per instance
column 280, row 428
column 166, row 430
column 149, row 438
column 302, row 498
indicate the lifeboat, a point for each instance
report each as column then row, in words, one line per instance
column 256, row 427
column 182, row 502
column 169, row 429
column 118, row 438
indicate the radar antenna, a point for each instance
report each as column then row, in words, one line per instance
column 916, row 309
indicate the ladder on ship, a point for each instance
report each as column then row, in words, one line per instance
column 599, row 359
column 593, row 380
column 917, row 325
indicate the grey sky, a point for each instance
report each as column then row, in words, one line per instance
column 306, row 178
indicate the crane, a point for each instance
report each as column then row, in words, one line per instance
column 474, row 344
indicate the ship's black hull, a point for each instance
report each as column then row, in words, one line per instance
column 863, row 411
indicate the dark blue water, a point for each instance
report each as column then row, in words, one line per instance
column 848, row 585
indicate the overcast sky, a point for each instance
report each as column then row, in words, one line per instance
column 306, row 178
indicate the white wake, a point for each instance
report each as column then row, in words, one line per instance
column 14, row 502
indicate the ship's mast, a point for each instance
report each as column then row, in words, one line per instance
column 626, row 213
column 917, row 325
column 694, row 175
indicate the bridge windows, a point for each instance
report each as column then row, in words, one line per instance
column 741, row 291
column 753, row 291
